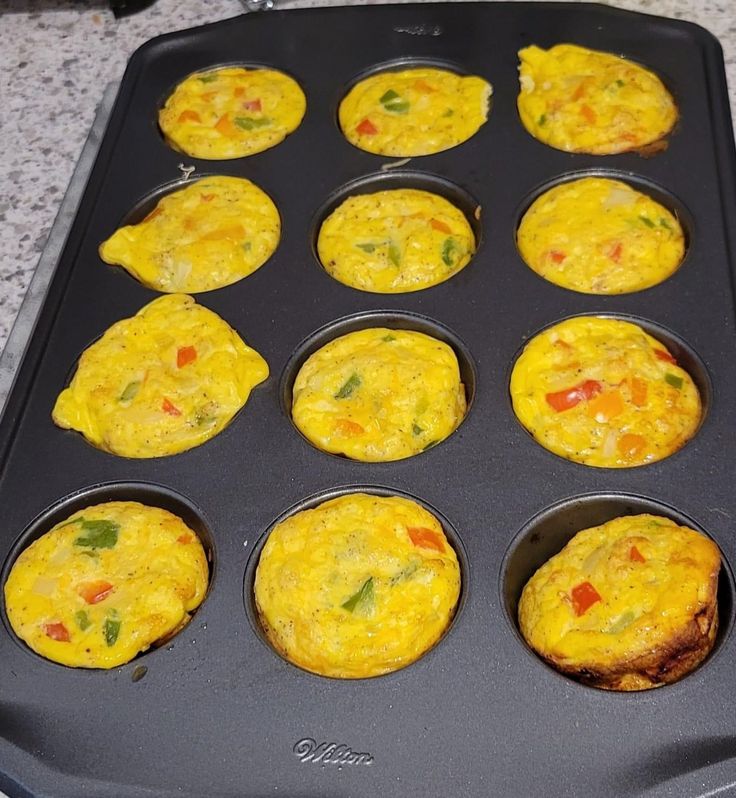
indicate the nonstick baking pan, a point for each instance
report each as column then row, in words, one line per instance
column 217, row 712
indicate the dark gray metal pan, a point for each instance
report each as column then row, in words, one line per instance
column 218, row 713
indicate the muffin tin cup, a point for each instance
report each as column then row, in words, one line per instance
column 314, row 501
column 149, row 494
column 639, row 183
column 479, row 714
column 166, row 94
column 549, row 531
column 395, row 65
column 683, row 353
column 393, row 320
column 391, row 180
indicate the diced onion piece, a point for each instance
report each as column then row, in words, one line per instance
column 618, row 196
column 609, row 445
column 527, row 83
column 44, row 586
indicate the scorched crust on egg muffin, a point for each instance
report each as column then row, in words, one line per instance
column 603, row 392
column 582, row 100
column 231, row 112
column 600, row 236
column 628, row 605
column 105, row 584
column 412, row 112
column 379, row 394
column 359, row 586
column 166, row 380
column 206, row 235
column 395, row 241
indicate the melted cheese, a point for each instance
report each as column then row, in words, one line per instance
column 604, row 393
column 232, row 112
column 379, row 394
column 600, row 236
column 343, row 590
column 167, row 379
column 414, row 111
column 206, row 235
column 105, row 584
column 583, row 100
column 395, row 241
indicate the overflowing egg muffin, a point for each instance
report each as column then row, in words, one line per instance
column 605, row 393
column 206, row 235
column 395, row 241
column 167, row 379
column 105, row 584
column 416, row 111
column 379, row 394
column 231, row 112
column 360, row 586
column 582, row 100
column 628, row 605
column 600, row 236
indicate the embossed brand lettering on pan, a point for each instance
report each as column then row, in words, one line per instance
column 308, row 750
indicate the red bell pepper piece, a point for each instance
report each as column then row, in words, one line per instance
column 185, row 355
column 557, row 256
column 438, row 224
column 344, row 426
column 95, row 592
column 564, row 400
column 661, row 354
column 169, row 408
column 57, row 631
column 425, row 538
column 584, row 596
column 367, row 128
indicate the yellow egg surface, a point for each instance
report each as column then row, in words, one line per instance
column 105, row 584
column 209, row 234
column 231, row 112
column 627, row 605
column 582, row 100
column 360, row 586
column 379, row 394
column 395, row 241
column 414, row 111
column 605, row 393
column 167, row 379
column 600, row 236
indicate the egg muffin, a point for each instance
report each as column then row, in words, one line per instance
column 167, row 379
column 412, row 112
column 105, row 584
column 231, row 112
column 582, row 100
column 395, row 241
column 379, row 394
column 627, row 605
column 605, row 393
column 360, row 586
column 211, row 233
column 600, row 236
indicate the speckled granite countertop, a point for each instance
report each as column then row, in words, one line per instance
column 60, row 54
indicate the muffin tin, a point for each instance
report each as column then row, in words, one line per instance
column 218, row 713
